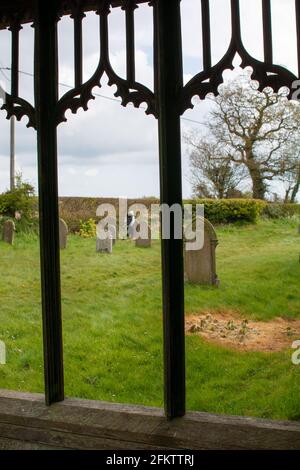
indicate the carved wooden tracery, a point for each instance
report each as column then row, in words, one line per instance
column 169, row 100
column 128, row 89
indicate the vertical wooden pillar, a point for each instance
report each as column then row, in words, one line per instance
column 46, row 95
column 169, row 77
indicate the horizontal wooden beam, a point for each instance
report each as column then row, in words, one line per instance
column 25, row 422
column 24, row 9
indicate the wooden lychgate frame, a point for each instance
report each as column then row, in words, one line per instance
column 169, row 100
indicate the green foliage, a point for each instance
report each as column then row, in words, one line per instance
column 218, row 211
column 224, row 211
column 21, row 205
column 75, row 209
column 281, row 211
column 87, row 229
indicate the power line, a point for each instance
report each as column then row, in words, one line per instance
column 2, row 72
column 65, row 85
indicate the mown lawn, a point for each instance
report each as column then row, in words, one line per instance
column 112, row 322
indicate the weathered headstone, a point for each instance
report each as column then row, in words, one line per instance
column 144, row 242
column 113, row 232
column 63, row 234
column 104, row 246
column 8, row 234
column 130, row 224
column 2, row 353
column 200, row 265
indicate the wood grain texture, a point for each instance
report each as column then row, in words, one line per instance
column 25, row 421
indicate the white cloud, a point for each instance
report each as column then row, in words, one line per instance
column 111, row 150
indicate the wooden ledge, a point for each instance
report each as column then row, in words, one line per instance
column 26, row 423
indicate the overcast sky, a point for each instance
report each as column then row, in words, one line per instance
column 110, row 150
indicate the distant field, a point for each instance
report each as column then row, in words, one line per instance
column 112, row 320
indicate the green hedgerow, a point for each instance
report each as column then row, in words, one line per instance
column 223, row 211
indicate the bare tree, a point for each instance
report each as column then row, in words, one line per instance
column 291, row 178
column 253, row 130
column 212, row 176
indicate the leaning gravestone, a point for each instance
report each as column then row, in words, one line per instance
column 63, row 234
column 144, row 242
column 104, row 246
column 200, row 265
column 8, row 234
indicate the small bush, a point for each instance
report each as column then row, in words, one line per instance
column 280, row 210
column 20, row 205
column 223, row 211
column 87, row 229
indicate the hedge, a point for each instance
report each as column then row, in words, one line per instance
column 224, row 211
column 280, row 211
column 76, row 209
column 217, row 211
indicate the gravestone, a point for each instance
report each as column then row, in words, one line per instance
column 8, row 233
column 2, row 353
column 144, row 242
column 130, row 224
column 200, row 264
column 113, row 232
column 63, row 234
column 104, row 246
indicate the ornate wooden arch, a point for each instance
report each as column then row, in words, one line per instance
column 169, row 100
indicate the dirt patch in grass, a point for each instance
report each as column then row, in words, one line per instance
column 229, row 329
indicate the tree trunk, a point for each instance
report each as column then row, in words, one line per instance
column 258, row 184
column 287, row 196
column 295, row 191
column 296, row 188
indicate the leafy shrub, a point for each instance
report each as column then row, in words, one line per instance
column 88, row 228
column 223, row 211
column 281, row 211
column 20, row 205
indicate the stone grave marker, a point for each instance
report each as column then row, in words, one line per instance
column 200, row 265
column 104, row 246
column 144, row 242
column 113, row 232
column 63, row 234
column 8, row 233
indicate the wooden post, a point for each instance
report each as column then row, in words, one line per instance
column 15, row 29
column 169, row 82
column 46, row 95
column 12, row 152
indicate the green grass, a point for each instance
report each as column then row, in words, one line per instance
column 112, row 322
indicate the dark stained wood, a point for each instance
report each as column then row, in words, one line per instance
column 130, row 41
column 46, row 84
column 206, row 35
column 169, row 82
column 87, row 424
column 78, row 58
column 25, row 8
column 267, row 31
column 297, row 10
column 15, row 28
column 14, row 444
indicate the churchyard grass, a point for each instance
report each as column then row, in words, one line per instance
column 112, row 321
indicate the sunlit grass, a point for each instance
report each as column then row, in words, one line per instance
column 112, row 322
